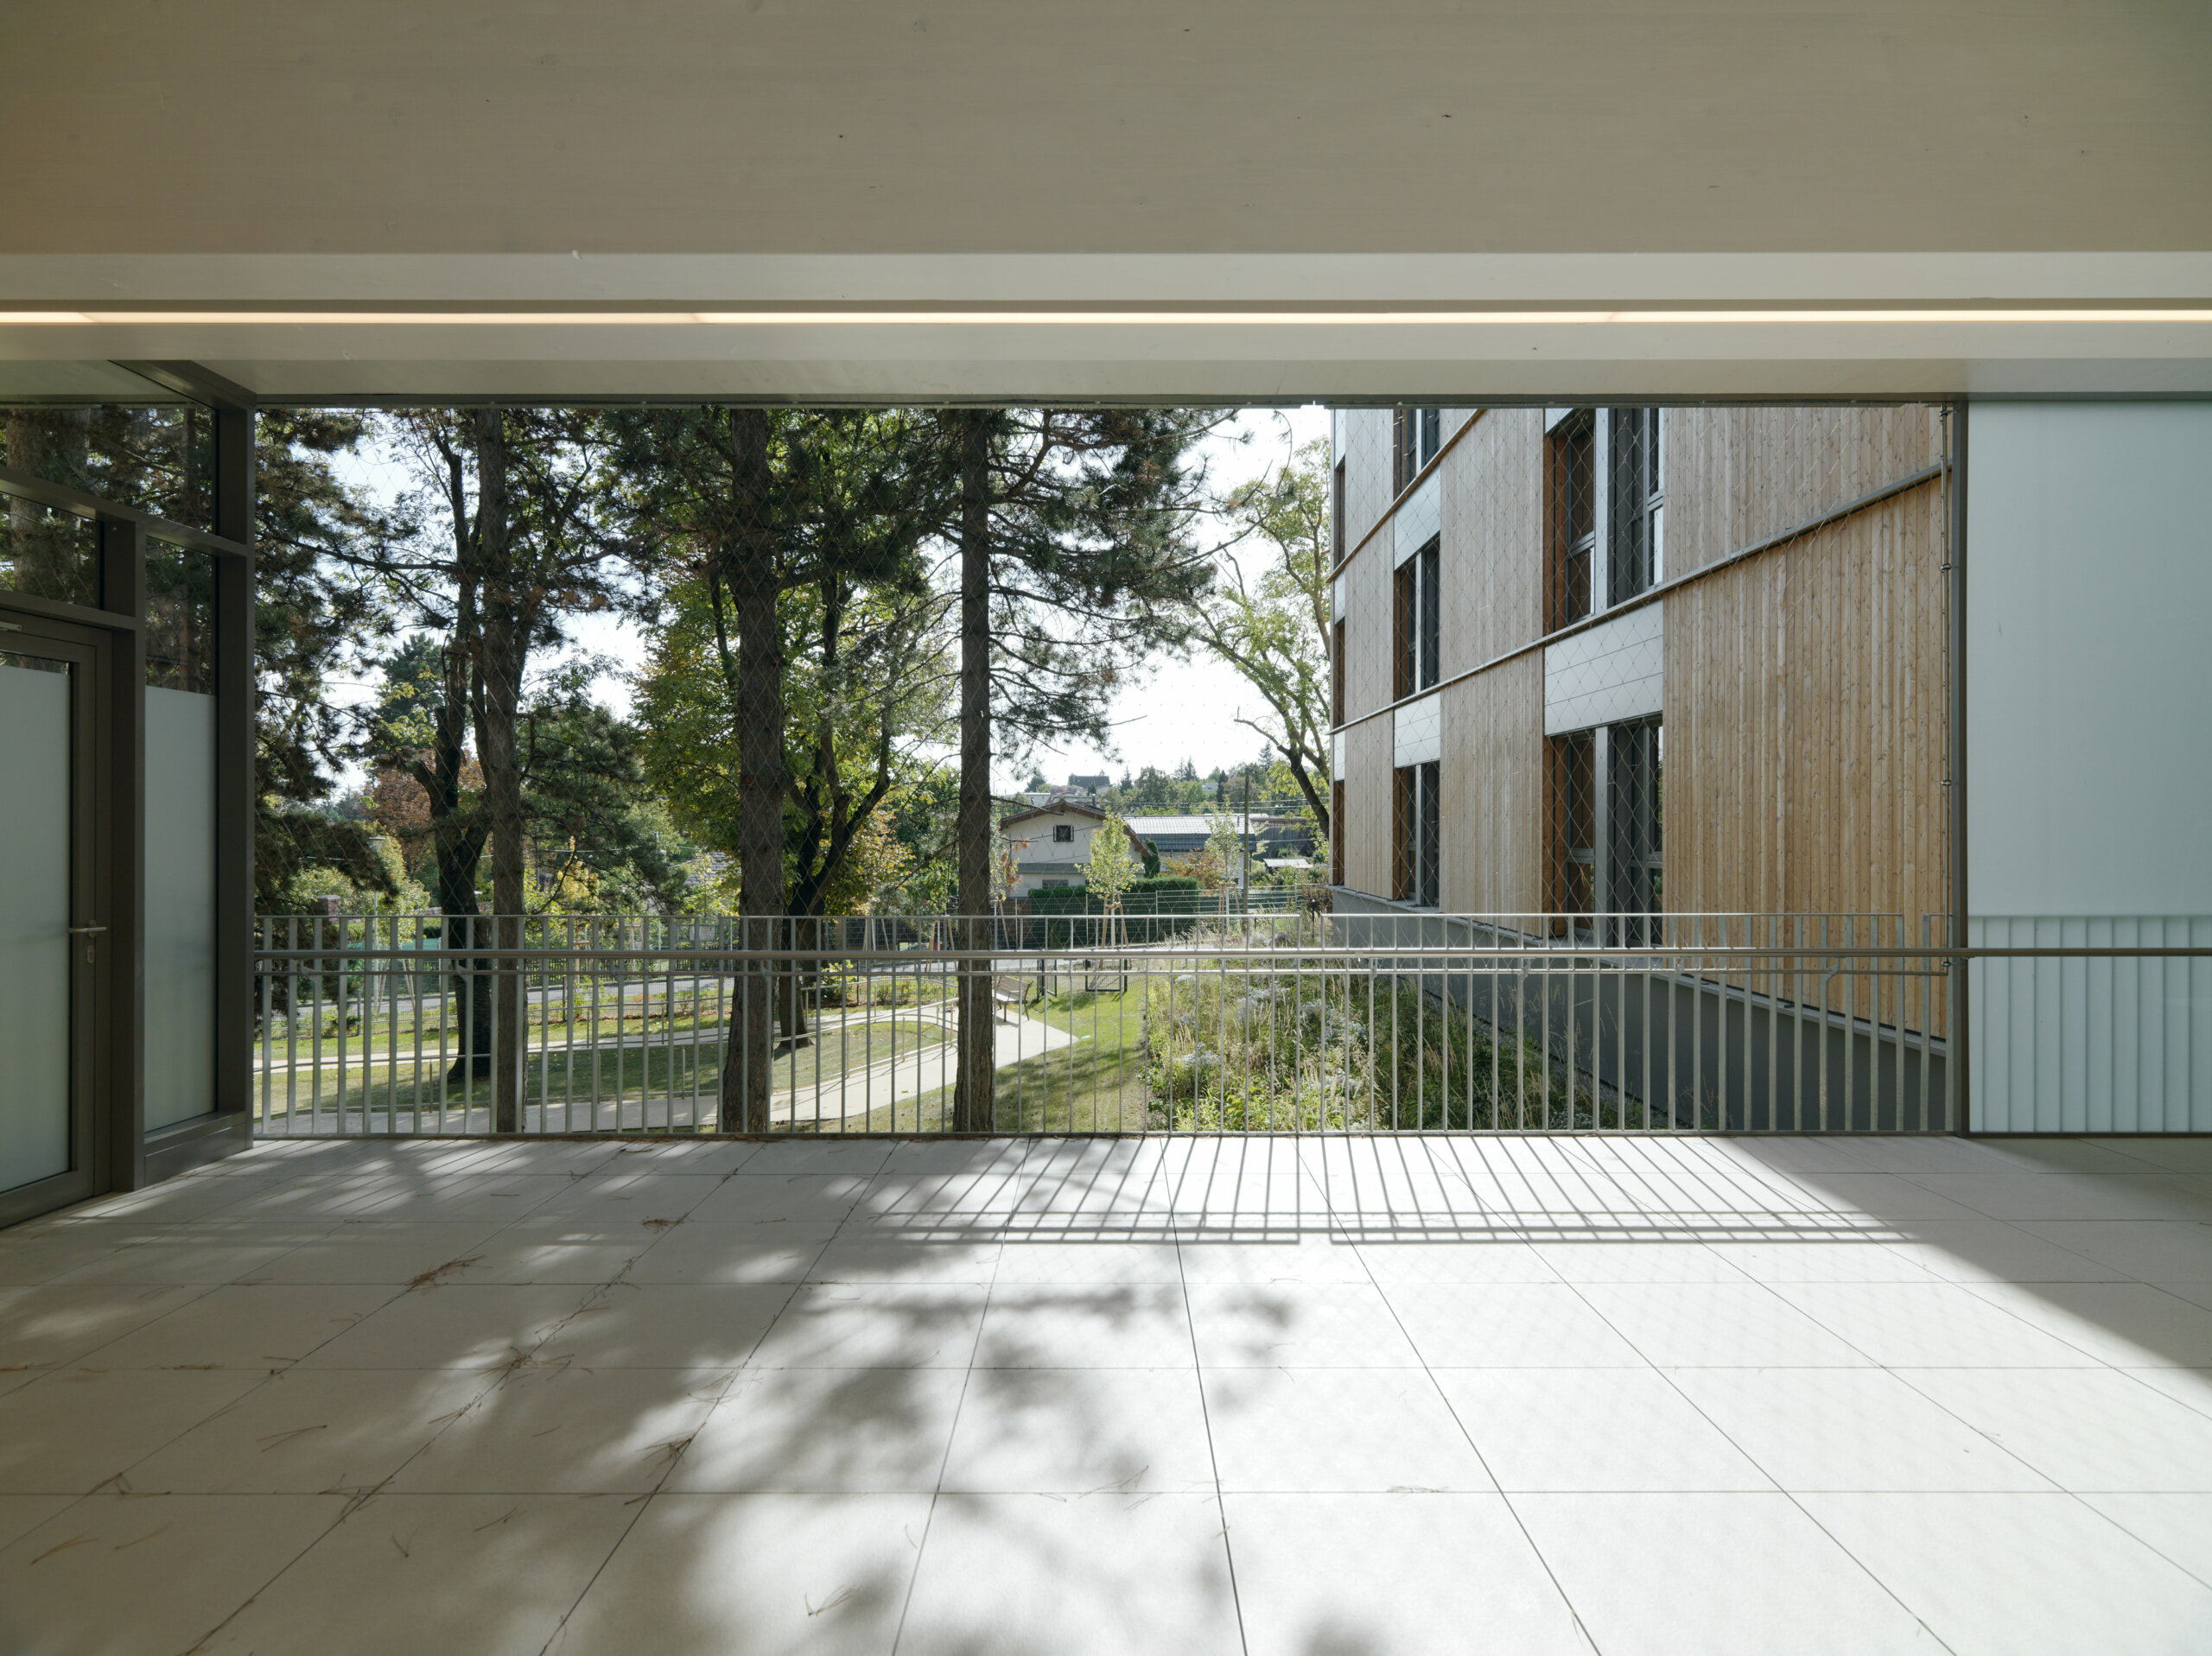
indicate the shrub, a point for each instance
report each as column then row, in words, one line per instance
column 1255, row 1050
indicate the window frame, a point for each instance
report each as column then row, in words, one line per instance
column 1416, row 438
column 1337, row 673
column 1571, row 509
column 1635, row 503
column 1336, row 513
column 1607, row 827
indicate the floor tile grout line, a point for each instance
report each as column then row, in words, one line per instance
column 354, row 1501
column 2202, row 1577
column 959, row 1406
column 1481, row 1460
column 499, row 1378
column 1788, row 1495
column 2095, row 1362
column 268, row 1379
column 646, row 1505
column 1213, row 1454
column 359, row 1499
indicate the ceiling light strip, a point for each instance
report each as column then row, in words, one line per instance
column 1426, row 319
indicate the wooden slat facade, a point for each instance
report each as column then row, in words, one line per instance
column 1804, row 687
column 1736, row 477
column 1805, row 725
column 1492, row 780
column 1368, row 851
column 1491, row 507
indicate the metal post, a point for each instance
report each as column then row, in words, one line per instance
column 123, row 590
column 1956, row 1071
column 234, row 791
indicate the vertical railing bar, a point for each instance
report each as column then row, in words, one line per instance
column 316, row 976
column 1773, row 1028
column 1620, row 1041
column 571, row 963
column 1697, row 1028
column 1649, row 967
column 445, row 999
column 1850, row 1028
column 268, row 1000
column 1745, row 1078
column 598, row 972
column 1828, row 976
column 415, row 1028
column 1927, row 1025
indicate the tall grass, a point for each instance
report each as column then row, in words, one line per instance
column 1244, row 1047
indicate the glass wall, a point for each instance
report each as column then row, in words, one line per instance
column 180, row 862
column 49, row 554
column 35, row 918
column 159, row 459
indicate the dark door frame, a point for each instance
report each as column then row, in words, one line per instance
column 92, row 956
column 123, row 1155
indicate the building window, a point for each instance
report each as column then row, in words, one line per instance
column 1335, row 833
column 1336, row 513
column 1428, row 595
column 1419, row 631
column 1417, row 836
column 1634, row 872
column 1606, row 811
column 1062, row 834
column 1574, row 819
column 1416, row 435
column 1337, row 673
column 1635, row 514
column 1571, row 514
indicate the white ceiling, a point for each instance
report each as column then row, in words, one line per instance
column 1215, row 199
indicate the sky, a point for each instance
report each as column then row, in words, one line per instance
column 1181, row 709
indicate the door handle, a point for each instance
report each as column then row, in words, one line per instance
column 87, row 933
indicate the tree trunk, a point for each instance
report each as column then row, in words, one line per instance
column 972, row 1100
column 749, row 572
column 1296, row 757
column 457, row 837
column 498, row 686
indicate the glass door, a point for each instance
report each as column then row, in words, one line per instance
column 51, row 930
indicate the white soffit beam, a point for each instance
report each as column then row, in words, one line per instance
column 1235, row 326
column 1312, row 356
column 697, row 155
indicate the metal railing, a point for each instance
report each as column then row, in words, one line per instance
column 1292, row 1022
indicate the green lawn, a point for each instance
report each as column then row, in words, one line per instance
column 1097, row 1085
column 649, row 1066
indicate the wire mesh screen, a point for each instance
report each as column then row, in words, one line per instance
column 1691, row 661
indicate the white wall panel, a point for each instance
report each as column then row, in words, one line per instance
column 2089, row 773
column 1615, row 670
column 1418, row 520
column 1419, row 736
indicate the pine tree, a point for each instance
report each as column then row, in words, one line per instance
column 1075, row 561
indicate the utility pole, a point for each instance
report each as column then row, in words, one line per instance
column 1248, row 844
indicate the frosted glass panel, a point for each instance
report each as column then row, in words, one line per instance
column 33, row 922
column 2087, row 679
column 179, row 906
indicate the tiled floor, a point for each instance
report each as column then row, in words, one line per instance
column 1327, row 1398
